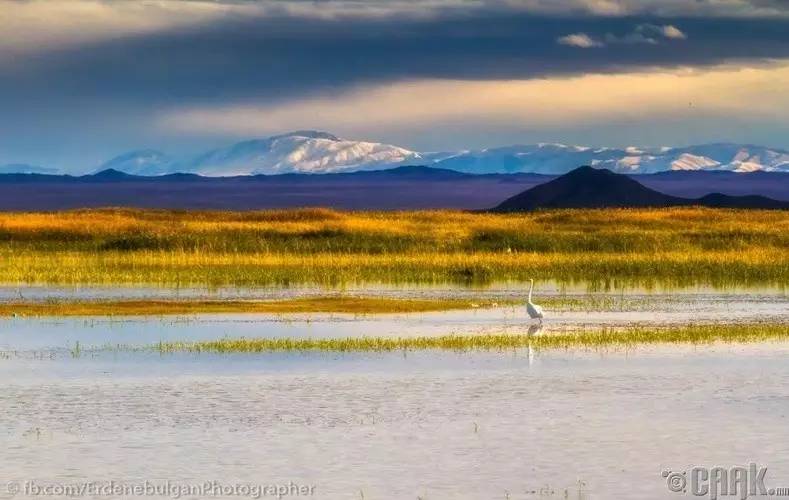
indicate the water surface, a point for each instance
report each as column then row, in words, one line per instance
column 427, row 424
column 512, row 424
column 32, row 333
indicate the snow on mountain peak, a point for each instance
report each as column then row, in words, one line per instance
column 746, row 166
column 305, row 151
column 557, row 159
column 321, row 155
column 687, row 161
column 629, row 162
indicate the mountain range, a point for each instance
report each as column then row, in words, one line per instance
column 305, row 151
column 401, row 188
column 317, row 152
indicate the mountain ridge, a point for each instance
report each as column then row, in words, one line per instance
column 24, row 168
column 404, row 188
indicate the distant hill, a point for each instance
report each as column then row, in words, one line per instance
column 587, row 187
column 697, row 183
column 719, row 200
column 402, row 188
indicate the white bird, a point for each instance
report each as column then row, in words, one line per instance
column 534, row 310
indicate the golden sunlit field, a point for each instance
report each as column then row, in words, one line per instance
column 677, row 246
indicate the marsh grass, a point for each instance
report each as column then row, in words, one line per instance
column 338, row 303
column 329, row 304
column 676, row 246
column 603, row 338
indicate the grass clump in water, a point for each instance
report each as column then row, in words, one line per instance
column 329, row 304
column 304, row 305
column 606, row 337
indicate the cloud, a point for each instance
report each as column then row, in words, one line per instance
column 580, row 40
column 94, row 74
column 34, row 25
column 643, row 33
column 672, row 32
column 278, row 58
column 552, row 103
column 774, row 5
column 634, row 37
column 652, row 33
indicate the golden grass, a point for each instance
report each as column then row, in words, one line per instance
column 606, row 337
column 331, row 304
column 340, row 303
column 681, row 246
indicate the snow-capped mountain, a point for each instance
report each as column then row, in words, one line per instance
column 302, row 151
column 143, row 162
column 24, row 168
column 559, row 159
column 309, row 151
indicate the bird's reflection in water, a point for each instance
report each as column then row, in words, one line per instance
column 534, row 330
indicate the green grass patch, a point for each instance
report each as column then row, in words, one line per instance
column 605, row 337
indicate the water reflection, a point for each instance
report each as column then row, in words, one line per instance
column 535, row 329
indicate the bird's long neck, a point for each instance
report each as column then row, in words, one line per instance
column 531, row 286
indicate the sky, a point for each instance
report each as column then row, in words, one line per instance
column 82, row 81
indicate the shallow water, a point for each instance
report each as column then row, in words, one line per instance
column 499, row 291
column 592, row 425
column 63, row 333
column 516, row 424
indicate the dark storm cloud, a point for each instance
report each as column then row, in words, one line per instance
column 271, row 58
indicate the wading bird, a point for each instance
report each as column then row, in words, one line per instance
column 534, row 310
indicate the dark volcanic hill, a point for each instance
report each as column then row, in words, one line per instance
column 587, row 187
column 719, row 200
